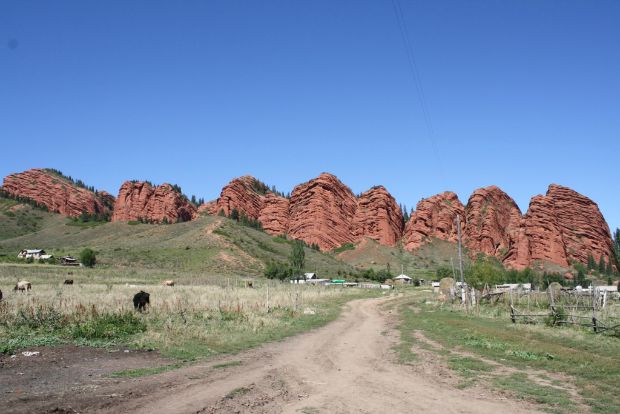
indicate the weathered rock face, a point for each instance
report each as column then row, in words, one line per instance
column 240, row 194
column 378, row 217
column 561, row 227
column 141, row 201
column 492, row 221
column 435, row 217
column 207, row 208
column 322, row 212
column 56, row 193
column 274, row 214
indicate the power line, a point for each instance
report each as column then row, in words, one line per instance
column 415, row 74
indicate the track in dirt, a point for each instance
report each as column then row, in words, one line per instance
column 345, row 367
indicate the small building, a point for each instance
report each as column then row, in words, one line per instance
column 35, row 254
column 69, row 261
column 309, row 278
column 524, row 287
column 403, row 279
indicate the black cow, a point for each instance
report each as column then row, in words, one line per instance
column 68, row 282
column 0, row 295
column 140, row 300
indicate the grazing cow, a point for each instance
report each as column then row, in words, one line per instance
column 68, row 282
column 140, row 300
column 249, row 284
column 168, row 283
column 23, row 286
column 0, row 296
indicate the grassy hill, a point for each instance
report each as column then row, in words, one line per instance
column 209, row 245
column 17, row 219
column 212, row 245
column 421, row 263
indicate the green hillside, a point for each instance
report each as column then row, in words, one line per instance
column 213, row 245
column 421, row 264
column 17, row 219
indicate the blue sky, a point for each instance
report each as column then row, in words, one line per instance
column 519, row 94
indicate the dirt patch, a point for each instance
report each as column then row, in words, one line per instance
column 28, row 381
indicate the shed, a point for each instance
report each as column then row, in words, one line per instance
column 31, row 253
column 404, row 279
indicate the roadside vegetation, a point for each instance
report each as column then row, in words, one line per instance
column 564, row 370
column 189, row 321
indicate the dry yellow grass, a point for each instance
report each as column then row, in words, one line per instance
column 188, row 320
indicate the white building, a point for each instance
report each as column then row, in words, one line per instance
column 35, row 254
column 402, row 278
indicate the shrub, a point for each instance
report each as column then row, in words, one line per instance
column 109, row 326
column 88, row 257
column 277, row 270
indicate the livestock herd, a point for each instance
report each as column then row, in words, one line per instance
column 140, row 299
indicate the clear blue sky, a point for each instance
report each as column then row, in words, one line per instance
column 520, row 94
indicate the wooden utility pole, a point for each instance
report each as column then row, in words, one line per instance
column 458, row 229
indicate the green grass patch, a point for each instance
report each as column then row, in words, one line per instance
column 522, row 387
column 591, row 361
column 344, row 248
column 143, row 372
column 109, row 326
column 467, row 366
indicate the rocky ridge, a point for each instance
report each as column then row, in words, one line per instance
column 57, row 193
column 141, row 201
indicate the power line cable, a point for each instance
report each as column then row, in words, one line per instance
column 415, row 74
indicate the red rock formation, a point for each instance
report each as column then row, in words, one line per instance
column 140, row 200
column 274, row 215
column 561, row 227
column 240, row 194
column 208, row 207
column 492, row 221
column 55, row 192
column 378, row 216
column 435, row 217
column 322, row 212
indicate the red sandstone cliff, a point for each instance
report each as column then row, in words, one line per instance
column 492, row 221
column 434, row 217
column 322, row 211
column 561, row 227
column 57, row 193
column 274, row 214
column 378, row 217
column 141, row 201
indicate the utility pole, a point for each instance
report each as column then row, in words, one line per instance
column 458, row 228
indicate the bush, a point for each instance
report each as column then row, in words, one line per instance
column 277, row 270
column 88, row 257
column 109, row 326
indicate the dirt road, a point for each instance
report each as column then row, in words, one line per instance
column 345, row 367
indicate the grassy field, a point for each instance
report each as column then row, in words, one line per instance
column 563, row 369
column 210, row 245
column 197, row 318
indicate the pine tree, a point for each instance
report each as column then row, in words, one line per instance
column 601, row 265
column 234, row 214
column 591, row 262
